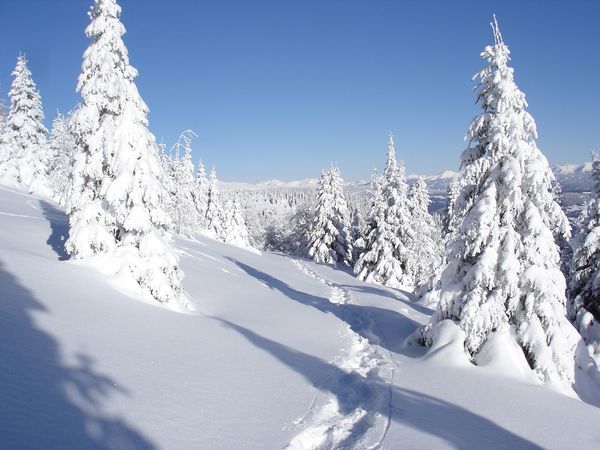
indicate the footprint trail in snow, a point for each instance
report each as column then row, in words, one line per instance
column 354, row 412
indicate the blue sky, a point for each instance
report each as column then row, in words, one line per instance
column 281, row 88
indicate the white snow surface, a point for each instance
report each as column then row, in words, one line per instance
column 280, row 353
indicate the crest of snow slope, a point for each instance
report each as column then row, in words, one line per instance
column 279, row 353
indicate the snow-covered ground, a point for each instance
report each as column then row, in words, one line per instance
column 279, row 353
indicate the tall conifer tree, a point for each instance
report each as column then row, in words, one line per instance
column 215, row 215
column 27, row 155
column 503, row 270
column 201, row 195
column 116, row 201
column 329, row 232
column 386, row 256
column 424, row 246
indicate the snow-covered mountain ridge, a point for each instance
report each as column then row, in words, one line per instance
column 573, row 168
column 575, row 181
column 562, row 172
column 280, row 353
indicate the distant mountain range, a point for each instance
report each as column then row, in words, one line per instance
column 433, row 181
column 567, row 174
column 573, row 168
column 575, row 181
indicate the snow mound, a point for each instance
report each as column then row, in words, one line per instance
column 502, row 356
column 449, row 345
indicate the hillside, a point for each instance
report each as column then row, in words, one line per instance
column 278, row 352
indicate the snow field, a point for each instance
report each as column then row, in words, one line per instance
column 278, row 353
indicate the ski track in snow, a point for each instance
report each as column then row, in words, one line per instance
column 17, row 192
column 357, row 423
column 22, row 216
column 186, row 251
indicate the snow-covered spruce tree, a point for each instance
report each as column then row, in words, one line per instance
column 215, row 216
column 329, row 237
column 425, row 249
column 182, row 211
column 341, row 217
column 584, row 286
column 62, row 147
column 322, row 232
column 236, row 227
column 386, row 259
column 28, row 154
column 503, row 272
column 371, row 221
column 356, row 229
column 200, row 191
column 117, row 197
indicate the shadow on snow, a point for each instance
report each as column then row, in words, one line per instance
column 456, row 425
column 46, row 403
column 369, row 322
column 385, row 293
column 59, row 229
column 388, row 292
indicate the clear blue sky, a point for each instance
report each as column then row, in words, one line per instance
column 281, row 88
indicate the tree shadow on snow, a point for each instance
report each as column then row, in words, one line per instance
column 370, row 322
column 46, row 403
column 59, row 229
column 339, row 266
column 366, row 321
column 385, row 293
column 456, row 425
column 373, row 289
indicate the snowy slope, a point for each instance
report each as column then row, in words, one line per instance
column 280, row 352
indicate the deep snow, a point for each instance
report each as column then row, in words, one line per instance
column 279, row 352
